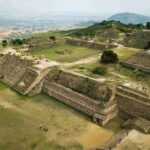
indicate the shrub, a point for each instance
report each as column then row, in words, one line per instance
column 100, row 70
column 147, row 46
column 17, row 42
column 4, row 43
column 81, row 67
column 148, row 25
column 109, row 57
column 52, row 38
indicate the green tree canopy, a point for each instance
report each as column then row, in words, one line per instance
column 4, row 43
column 109, row 57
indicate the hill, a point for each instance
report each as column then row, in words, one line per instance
column 130, row 18
column 132, row 35
column 102, row 29
column 85, row 24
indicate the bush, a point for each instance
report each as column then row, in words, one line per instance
column 100, row 70
column 18, row 42
column 81, row 67
column 148, row 25
column 109, row 57
column 52, row 38
column 147, row 46
column 4, row 43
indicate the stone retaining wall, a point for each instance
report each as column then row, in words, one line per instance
column 136, row 66
column 139, row 61
column 87, row 86
column 88, row 44
column 80, row 102
column 133, row 104
column 41, row 46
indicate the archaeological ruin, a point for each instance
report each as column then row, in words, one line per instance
column 102, row 101
column 139, row 61
column 89, row 44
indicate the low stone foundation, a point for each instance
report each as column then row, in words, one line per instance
column 89, row 44
column 140, row 61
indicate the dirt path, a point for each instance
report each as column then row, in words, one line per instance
column 83, row 61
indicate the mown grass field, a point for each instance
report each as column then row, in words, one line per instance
column 76, row 54
column 68, row 129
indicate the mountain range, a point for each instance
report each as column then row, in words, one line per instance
column 130, row 18
column 67, row 21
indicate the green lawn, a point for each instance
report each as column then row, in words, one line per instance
column 68, row 129
column 76, row 54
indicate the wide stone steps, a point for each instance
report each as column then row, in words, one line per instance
column 133, row 94
column 132, row 98
column 41, row 75
column 133, row 90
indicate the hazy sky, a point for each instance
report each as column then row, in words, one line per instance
column 84, row 6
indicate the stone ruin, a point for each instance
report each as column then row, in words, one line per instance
column 82, row 93
column 39, row 43
column 140, row 61
column 23, row 73
column 89, row 44
column 36, row 43
column 29, row 76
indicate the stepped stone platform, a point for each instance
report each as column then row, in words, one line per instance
column 102, row 101
column 23, row 73
column 140, row 61
column 71, row 89
column 139, row 124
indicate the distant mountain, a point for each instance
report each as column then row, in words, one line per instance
column 85, row 24
column 130, row 18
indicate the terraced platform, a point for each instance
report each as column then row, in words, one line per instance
column 140, row 61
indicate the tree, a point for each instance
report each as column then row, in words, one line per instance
column 148, row 46
column 4, row 43
column 17, row 42
column 140, row 25
column 52, row 38
column 148, row 25
column 109, row 57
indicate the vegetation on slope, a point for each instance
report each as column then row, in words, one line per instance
column 98, row 27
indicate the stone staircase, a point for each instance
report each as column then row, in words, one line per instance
column 32, row 78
